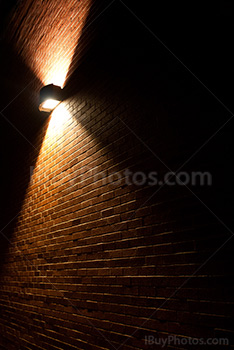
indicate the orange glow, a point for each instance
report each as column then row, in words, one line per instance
column 51, row 34
column 57, row 127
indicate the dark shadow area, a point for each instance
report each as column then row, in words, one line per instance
column 164, row 116
column 5, row 9
column 157, row 97
column 21, row 136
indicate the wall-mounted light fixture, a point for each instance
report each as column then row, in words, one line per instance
column 50, row 97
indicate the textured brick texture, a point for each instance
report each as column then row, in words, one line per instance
column 48, row 34
column 89, row 261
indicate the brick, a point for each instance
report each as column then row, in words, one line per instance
column 92, row 259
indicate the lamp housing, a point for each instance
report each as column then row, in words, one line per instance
column 50, row 97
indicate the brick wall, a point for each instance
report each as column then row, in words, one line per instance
column 94, row 260
column 46, row 35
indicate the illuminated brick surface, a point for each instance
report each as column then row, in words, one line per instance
column 94, row 262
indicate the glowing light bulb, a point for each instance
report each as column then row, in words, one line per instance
column 49, row 105
column 50, row 97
